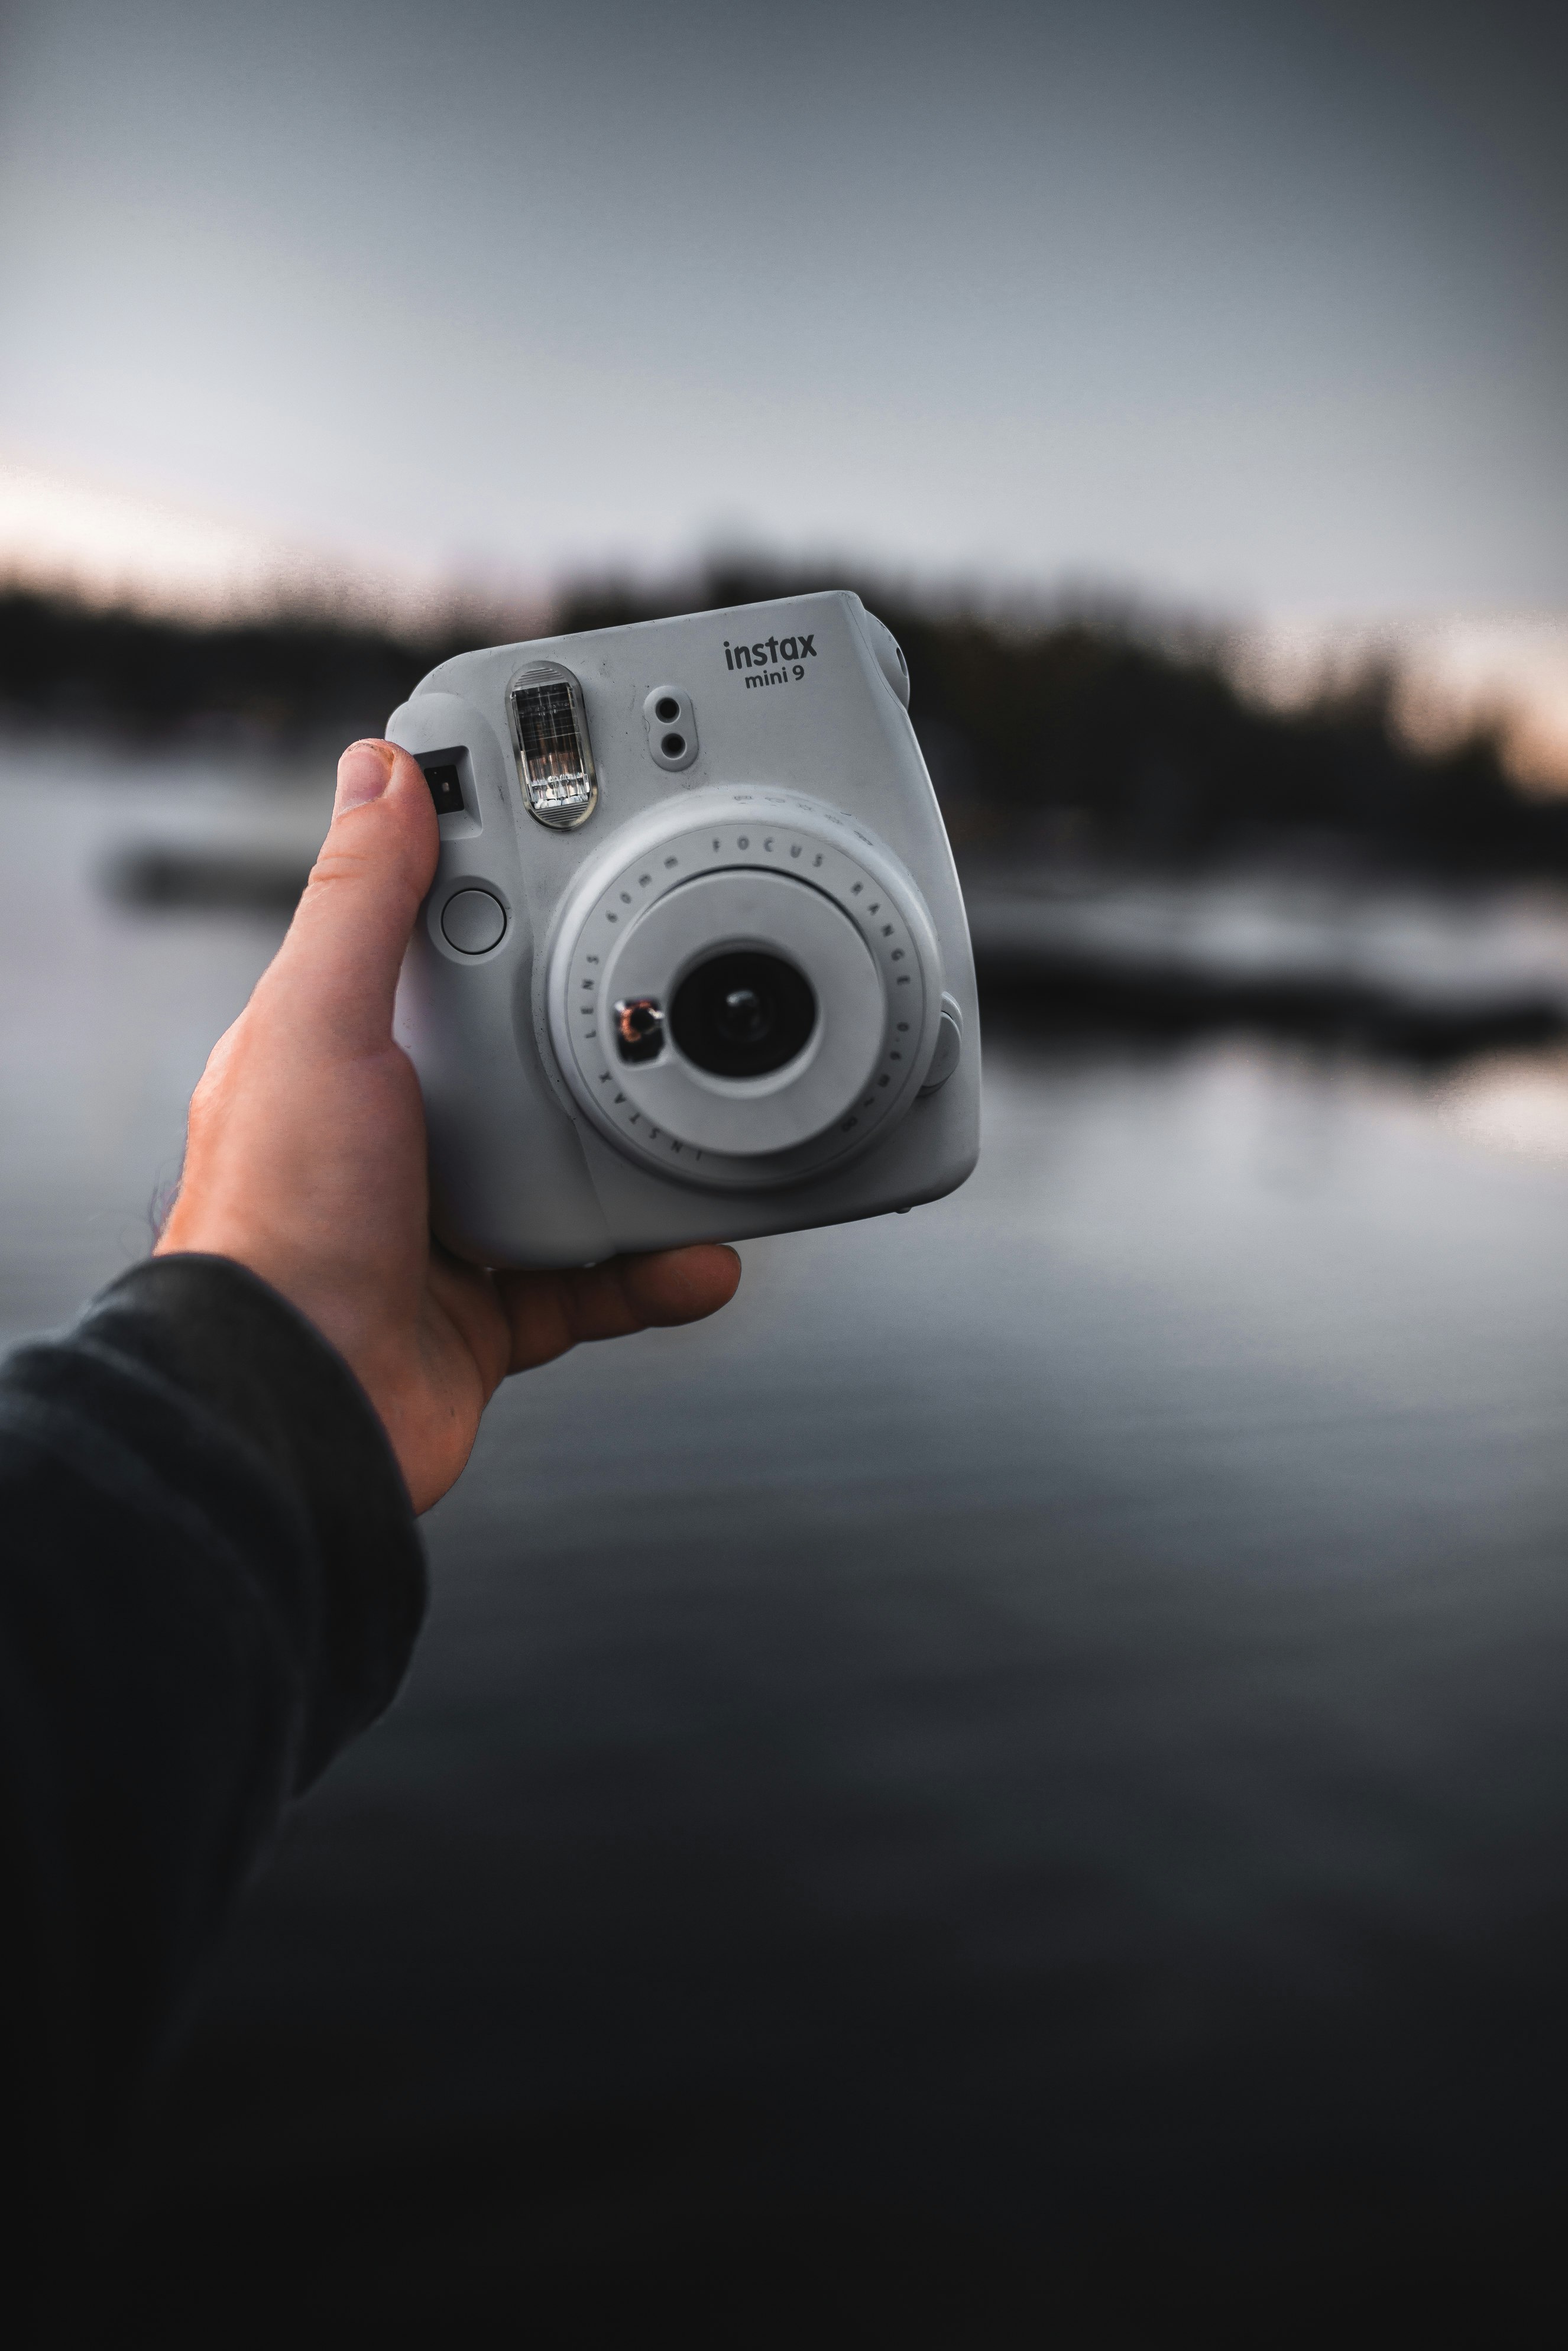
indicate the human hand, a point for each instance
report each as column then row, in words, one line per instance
column 305, row 1159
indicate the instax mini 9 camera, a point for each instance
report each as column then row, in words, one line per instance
column 694, row 963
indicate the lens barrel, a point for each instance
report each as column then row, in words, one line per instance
column 743, row 1014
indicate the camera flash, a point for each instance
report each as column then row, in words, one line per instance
column 555, row 764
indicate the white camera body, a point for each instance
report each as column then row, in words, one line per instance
column 694, row 963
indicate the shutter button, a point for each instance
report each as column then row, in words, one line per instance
column 473, row 921
column 950, row 1046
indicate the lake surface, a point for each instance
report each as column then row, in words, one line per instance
column 1012, row 1788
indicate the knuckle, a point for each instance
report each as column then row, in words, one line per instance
column 336, row 863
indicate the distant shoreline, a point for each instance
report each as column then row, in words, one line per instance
column 1084, row 733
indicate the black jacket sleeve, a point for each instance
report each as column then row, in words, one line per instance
column 210, row 1579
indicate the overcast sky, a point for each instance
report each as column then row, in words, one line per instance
column 1261, row 306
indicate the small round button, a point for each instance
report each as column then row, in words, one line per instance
column 472, row 921
column 950, row 1046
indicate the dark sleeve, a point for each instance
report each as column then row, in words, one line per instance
column 210, row 1579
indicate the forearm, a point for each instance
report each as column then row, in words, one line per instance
column 209, row 1580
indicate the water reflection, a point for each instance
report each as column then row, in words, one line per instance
column 1029, row 1759
column 109, row 1014
column 1511, row 1101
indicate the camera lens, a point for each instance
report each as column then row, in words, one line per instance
column 666, row 709
column 743, row 1014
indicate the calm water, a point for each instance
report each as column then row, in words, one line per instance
column 1013, row 1788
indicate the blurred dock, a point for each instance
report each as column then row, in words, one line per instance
column 1401, row 966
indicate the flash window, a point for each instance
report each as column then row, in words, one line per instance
column 555, row 761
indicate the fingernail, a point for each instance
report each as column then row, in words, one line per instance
column 362, row 775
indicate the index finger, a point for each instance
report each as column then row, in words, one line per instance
column 549, row 1312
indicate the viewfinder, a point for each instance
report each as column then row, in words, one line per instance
column 445, row 788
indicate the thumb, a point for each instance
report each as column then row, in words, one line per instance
column 336, row 972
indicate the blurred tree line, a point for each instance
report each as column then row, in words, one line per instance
column 1058, row 732
column 284, row 681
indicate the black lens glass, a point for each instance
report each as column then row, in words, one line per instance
column 742, row 1014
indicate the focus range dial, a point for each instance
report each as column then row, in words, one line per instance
column 749, row 994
